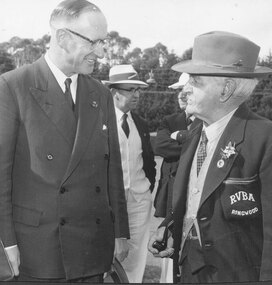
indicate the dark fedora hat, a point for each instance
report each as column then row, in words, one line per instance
column 220, row 53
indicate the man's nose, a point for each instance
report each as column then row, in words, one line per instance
column 99, row 51
column 136, row 93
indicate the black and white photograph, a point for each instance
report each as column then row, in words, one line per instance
column 136, row 141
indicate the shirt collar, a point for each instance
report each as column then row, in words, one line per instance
column 119, row 114
column 215, row 129
column 59, row 75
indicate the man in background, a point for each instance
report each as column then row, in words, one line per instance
column 62, row 199
column 138, row 165
column 222, row 192
column 172, row 131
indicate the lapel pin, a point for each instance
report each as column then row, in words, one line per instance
column 220, row 163
column 226, row 154
column 94, row 104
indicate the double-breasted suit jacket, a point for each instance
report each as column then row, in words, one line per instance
column 61, row 192
column 235, row 213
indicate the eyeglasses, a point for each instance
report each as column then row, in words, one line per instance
column 132, row 89
column 95, row 43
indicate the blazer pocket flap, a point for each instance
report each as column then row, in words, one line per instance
column 241, row 181
column 240, row 198
column 26, row 216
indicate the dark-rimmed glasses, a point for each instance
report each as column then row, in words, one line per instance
column 132, row 89
column 95, row 43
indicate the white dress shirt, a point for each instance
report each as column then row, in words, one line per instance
column 131, row 150
column 61, row 77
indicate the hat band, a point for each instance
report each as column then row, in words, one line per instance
column 236, row 67
column 124, row 76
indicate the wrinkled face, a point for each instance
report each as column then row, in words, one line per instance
column 182, row 99
column 86, row 42
column 126, row 96
column 203, row 95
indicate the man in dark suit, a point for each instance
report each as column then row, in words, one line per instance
column 168, row 144
column 222, row 193
column 62, row 199
column 138, row 165
column 172, row 131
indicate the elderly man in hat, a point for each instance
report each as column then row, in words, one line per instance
column 138, row 165
column 172, row 131
column 222, row 214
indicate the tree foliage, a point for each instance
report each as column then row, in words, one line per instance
column 153, row 65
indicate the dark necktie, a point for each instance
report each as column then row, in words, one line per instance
column 124, row 125
column 202, row 151
column 189, row 122
column 68, row 94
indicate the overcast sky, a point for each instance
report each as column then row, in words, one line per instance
column 174, row 23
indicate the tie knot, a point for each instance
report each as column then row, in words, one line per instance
column 125, row 116
column 68, row 82
column 204, row 137
column 189, row 121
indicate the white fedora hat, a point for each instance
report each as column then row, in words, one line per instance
column 183, row 79
column 123, row 74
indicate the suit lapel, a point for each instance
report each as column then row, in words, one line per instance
column 233, row 133
column 184, row 168
column 88, row 110
column 49, row 96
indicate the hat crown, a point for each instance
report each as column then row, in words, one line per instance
column 223, row 54
column 227, row 50
column 123, row 72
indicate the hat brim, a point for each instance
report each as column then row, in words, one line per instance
column 191, row 67
column 176, row 85
column 136, row 82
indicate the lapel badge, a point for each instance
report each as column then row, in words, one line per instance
column 94, row 104
column 226, row 154
column 220, row 163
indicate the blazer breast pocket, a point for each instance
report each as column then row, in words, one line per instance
column 241, row 198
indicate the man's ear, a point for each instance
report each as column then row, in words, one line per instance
column 228, row 89
column 62, row 38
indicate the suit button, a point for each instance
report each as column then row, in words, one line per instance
column 97, row 189
column 49, row 156
column 63, row 190
column 98, row 221
column 208, row 244
column 62, row 222
column 203, row 219
column 106, row 156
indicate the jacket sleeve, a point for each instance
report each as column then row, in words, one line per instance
column 9, row 123
column 266, row 199
column 116, row 187
column 165, row 146
column 149, row 162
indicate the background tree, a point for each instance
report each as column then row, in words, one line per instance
column 6, row 62
column 151, row 63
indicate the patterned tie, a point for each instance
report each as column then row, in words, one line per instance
column 124, row 125
column 68, row 94
column 202, row 152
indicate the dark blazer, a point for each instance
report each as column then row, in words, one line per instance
column 170, row 150
column 148, row 155
column 235, row 213
column 61, row 190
